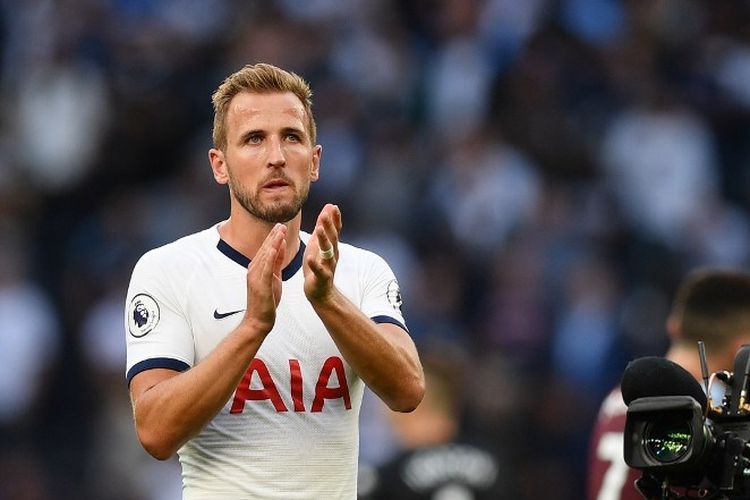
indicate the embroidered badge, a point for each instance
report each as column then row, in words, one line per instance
column 394, row 295
column 143, row 315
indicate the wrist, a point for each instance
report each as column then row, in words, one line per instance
column 254, row 330
column 329, row 298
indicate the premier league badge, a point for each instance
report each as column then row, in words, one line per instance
column 143, row 315
column 394, row 295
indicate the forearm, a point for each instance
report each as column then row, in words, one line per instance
column 386, row 361
column 178, row 407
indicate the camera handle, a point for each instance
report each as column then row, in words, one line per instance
column 651, row 488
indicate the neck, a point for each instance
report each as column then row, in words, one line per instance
column 687, row 356
column 246, row 233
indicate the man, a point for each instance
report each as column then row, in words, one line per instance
column 259, row 338
column 711, row 305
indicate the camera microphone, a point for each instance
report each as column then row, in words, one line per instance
column 653, row 376
column 740, row 380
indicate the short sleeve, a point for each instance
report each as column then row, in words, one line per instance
column 381, row 298
column 158, row 334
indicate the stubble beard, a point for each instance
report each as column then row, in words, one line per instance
column 272, row 212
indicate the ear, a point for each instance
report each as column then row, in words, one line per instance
column 218, row 165
column 315, row 167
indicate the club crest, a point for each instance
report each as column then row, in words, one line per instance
column 143, row 315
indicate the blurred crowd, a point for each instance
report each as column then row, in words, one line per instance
column 539, row 173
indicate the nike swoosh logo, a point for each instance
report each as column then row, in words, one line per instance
column 218, row 315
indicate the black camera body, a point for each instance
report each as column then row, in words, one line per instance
column 684, row 448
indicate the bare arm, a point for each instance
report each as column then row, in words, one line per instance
column 383, row 355
column 169, row 407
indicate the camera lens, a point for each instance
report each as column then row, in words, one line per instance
column 668, row 440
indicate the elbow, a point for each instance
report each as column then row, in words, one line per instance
column 161, row 454
column 156, row 445
column 409, row 397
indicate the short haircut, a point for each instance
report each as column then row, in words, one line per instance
column 713, row 305
column 259, row 78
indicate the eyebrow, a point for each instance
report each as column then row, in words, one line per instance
column 294, row 130
column 285, row 130
column 245, row 135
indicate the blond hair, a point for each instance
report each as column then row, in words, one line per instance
column 259, row 79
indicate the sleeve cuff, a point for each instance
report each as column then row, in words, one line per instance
column 391, row 320
column 148, row 364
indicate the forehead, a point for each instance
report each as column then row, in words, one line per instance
column 265, row 110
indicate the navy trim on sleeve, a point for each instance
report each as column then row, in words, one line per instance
column 388, row 319
column 148, row 364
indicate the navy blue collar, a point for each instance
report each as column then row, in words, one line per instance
column 240, row 259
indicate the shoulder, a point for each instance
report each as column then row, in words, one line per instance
column 179, row 255
column 371, row 270
column 360, row 255
column 350, row 254
column 168, row 269
column 466, row 466
column 613, row 405
column 611, row 416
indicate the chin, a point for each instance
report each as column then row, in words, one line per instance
column 279, row 209
column 280, row 214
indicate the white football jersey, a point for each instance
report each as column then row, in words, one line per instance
column 290, row 430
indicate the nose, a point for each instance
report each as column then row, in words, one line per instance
column 276, row 156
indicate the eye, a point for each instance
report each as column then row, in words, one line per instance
column 254, row 139
column 293, row 137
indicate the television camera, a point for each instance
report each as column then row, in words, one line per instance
column 688, row 442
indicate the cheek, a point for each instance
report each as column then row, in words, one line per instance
column 243, row 163
column 239, row 178
column 247, row 157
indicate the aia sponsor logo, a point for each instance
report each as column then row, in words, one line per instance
column 257, row 375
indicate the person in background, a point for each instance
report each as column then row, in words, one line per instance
column 437, row 459
column 711, row 305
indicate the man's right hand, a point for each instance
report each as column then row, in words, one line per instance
column 264, row 281
column 169, row 406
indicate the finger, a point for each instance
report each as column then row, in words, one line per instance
column 268, row 252
column 272, row 240
column 326, row 220
column 259, row 257
column 316, row 266
column 279, row 261
column 337, row 221
column 333, row 213
column 317, row 263
column 266, row 273
column 324, row 242
column 329, row 225
column 274, row 258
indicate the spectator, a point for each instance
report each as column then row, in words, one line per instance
column 437, row 460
